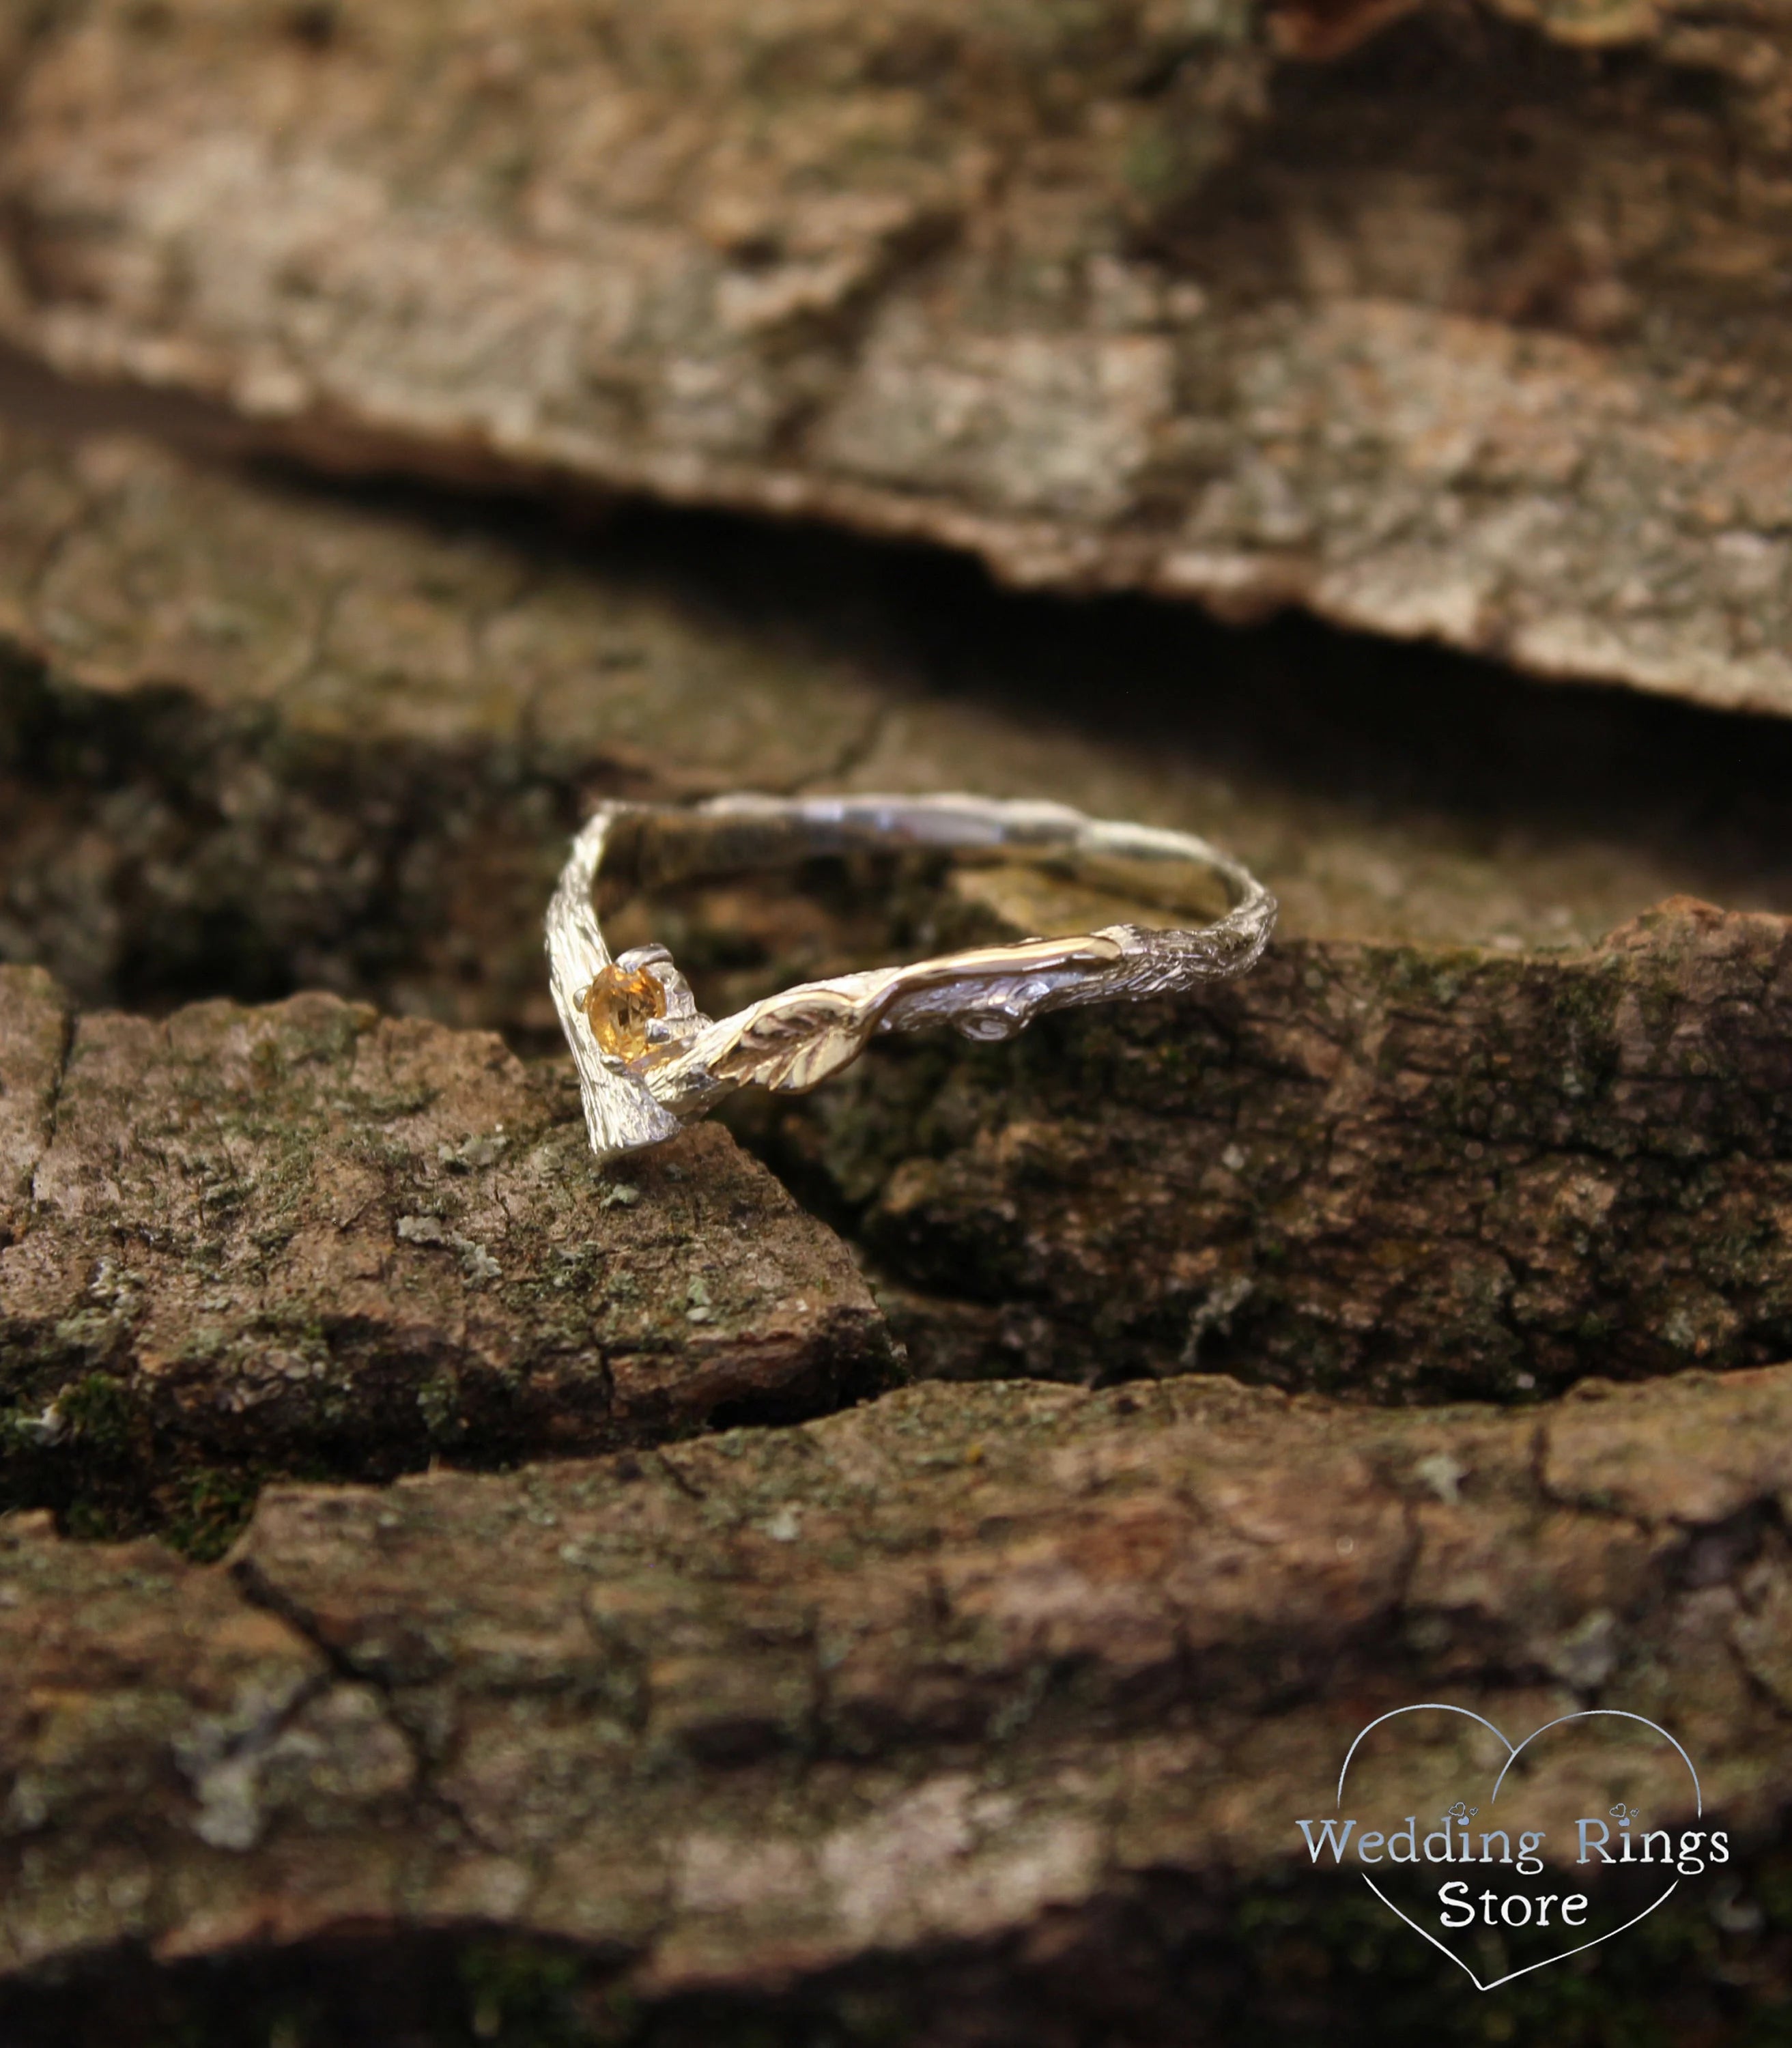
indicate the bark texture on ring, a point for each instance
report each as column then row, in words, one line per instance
column 686, row 1062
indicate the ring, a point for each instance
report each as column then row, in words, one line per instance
column 649, row 1061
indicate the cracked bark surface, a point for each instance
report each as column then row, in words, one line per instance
column 251, row 742
column 1464, row 323
column 958, row 1717
column 34, row 1025
column 970, row 1678
column 1402, row 1175
column 304, row 1239
column 976, row 1713
column 257, row 738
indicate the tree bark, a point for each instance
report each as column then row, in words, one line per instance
column 966, row 1673
column 1380, row 1172
column 980, row 1713
column 253, row 739
column 1474, row 331
column 304, row 1239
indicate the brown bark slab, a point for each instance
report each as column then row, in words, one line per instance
column 966, row 1672
column 303, row 1238
column 256, row 738
column 251, row 742
column 33, row 1040
column 1396, row 1173
column 1473, row 331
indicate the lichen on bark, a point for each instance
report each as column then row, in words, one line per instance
column 977, row 1711
column 304, row 1239
column 1280, row 1180
column 1383, row 1171
column 967, row 1672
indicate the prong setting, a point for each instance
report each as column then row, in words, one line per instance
column 649, row 1061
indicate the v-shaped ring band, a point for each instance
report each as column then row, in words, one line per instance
column 649, row 1062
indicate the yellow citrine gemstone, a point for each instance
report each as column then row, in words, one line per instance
column 618, row 1004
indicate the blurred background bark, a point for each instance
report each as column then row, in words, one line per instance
column 1456, row 321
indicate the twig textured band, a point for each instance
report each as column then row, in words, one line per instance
column 649, row 1062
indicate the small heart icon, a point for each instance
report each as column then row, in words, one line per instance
column 1558, row 1843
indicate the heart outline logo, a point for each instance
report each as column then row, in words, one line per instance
column 1514, row 1751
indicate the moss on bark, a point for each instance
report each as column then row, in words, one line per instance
column 980, row 1712
column 301, row 1239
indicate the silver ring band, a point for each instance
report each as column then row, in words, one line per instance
column 649, row 1062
